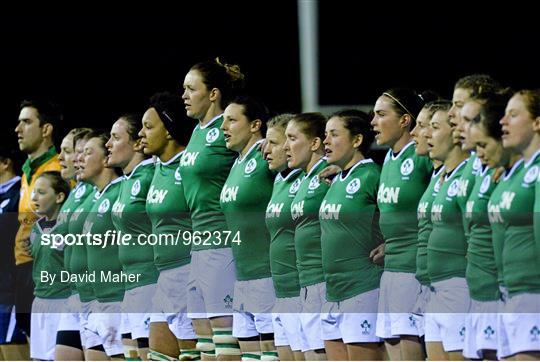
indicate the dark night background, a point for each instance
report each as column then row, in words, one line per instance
column 105, row 64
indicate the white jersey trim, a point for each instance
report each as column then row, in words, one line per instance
column 462, row 163
column 211, row 122
column 142, row 163
column 172, row 159
column 365, row 160
column 241, row 159
column 510, row 172
column 402, row 150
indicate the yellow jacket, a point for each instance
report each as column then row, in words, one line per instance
column 27, row 217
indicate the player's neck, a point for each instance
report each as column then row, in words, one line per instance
column 454, row 158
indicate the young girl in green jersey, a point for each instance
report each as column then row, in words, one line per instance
column 349, row 231
column 304, row 149
column 404, row 178
column 163, row 135
column 129, row 216
column 243, row 200
column 449, row 301
column 481, row 330
column 204, row 167
column 102, row 325
column 521, row 276
column 286, row 318
column 51, row 294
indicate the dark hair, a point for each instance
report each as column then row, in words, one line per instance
column 101, row 135
column 532, row 100
column 47, row 112
column 58, row 184
column 408, row 101
column 133, row 122
column 226, row 77
column 171, row 112
column 254, row 109
column 312, row 124
column 478, row 83
column 78, row 133
column 8, row 151
column 492, row 110
column 439, row 105
column 358, row 123
column 280, row 121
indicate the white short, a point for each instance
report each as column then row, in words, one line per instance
column 286, row 322
column 84, row 313
column 44, row 325
column 211, row 283
column 520, row 325
column 398, row 295
column 481, row 329
column 419, row 309
column 103, row 327
column 313, row 297
column 170, row 302
column 353, row 320
column 445, row 313
column 69, row 321
column 136, row 311
column 252, row 305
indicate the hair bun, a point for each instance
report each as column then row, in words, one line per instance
column 233, row 70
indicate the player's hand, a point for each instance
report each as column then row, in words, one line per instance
column 327, row 175
column 27, row 246
column 377, row 255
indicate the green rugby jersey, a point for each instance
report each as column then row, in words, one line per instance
column 447, row 244
column 103, row 259
column 243, row 200
column 47, row 259
column 168, row 212
column 466, row 184
column 498, row 225
column 520, row 272
column 307, row 233
column 76, row 197
column 78, row 261
column 350, row 231
column 281, row 229
column 204, row 167
column 481, row 270
column 425, row 226
column 129, row 217
column 404, row 178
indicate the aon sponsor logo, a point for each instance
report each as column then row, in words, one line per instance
column 329, row 211
column 469, row 206
column 436, row 211
column 506, row 200
column 297, row 210
column 228, row 194
column 118, row 208
column 422, row 209
column 156, row 196
column 463, row 185
column 188, row 159
column 274, row 210
column 388, row 195
column 63, row 216
column 494, row 214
